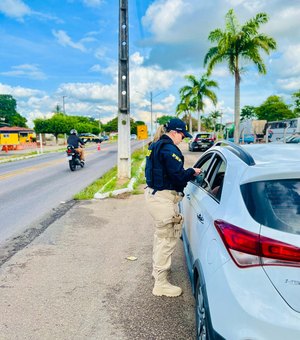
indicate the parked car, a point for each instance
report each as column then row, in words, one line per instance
column 201, row 141
column 105, row 137
column 133, row 136
column 90, row 137
column 241, row 238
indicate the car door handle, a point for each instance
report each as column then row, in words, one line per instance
column 200, row 218
column 188, row 196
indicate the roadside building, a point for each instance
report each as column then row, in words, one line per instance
column 14, row 137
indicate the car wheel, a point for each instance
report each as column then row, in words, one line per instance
column 201, row 315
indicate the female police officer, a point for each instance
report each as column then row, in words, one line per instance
column 166, row 179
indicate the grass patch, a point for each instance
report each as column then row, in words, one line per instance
column 109, row 181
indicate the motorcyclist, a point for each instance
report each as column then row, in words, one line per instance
column 77, row 143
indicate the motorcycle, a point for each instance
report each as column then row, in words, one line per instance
column 73, row 158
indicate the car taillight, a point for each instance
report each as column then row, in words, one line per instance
column 249, row 249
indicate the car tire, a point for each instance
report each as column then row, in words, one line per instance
column 202, row 325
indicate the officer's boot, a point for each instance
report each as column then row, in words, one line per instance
column 163, row 287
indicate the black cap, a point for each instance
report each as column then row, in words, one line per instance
column 177, row 124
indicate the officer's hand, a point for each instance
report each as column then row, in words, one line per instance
column 197, row 171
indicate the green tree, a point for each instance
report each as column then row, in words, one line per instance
column 237, row 43
column 207, row 123
column 8, row 112
column 296, row 98
column 197, row 91
column 163, row 119
column 274, row 108
column 185, row 106
column 248, row 112
column 111, row 125
column 214, row 115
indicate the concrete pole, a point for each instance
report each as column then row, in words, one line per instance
column 124, row 147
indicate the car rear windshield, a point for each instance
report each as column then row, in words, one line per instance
column 274, row 203
column 203, row 135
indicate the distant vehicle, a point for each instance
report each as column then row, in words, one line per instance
column 133, row 136
column 90, row 137
column 201, row 141
column 105, row 137
column 284, row 128
column 252, row 130
column 241, row 238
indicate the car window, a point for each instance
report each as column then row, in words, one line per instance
column 274, row 203
column 218, row 178
column 203, row 163
column 203, row 135
column 212, row 176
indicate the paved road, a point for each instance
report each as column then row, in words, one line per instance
column 31, row 188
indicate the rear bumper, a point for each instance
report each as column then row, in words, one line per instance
column 246, row 305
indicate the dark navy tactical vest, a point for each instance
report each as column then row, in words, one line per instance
column 154, row 171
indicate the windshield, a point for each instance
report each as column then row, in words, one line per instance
column 274, row 203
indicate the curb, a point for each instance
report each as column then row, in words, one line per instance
column 100, row 195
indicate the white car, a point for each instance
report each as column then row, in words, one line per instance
column 241, row 238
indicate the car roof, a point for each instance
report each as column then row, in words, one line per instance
column 273, row 153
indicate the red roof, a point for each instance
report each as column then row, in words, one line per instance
column 14, row 129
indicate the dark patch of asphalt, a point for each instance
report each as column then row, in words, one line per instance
column 20, row 241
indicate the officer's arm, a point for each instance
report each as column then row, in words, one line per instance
column 175, row 171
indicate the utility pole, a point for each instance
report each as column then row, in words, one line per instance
column 151, row 111
column 124, row 151
column 64, row 110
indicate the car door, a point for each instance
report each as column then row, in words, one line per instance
column 189, row 201
column 203, row 203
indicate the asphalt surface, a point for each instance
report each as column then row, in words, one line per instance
column 70, row 278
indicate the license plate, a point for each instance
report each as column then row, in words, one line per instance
column 69, row 158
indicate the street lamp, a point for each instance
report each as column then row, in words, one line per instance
column 99, row 109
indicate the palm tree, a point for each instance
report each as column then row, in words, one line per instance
column 186, row 107
column 238, row 43
column 214, row 115
column 198, row 91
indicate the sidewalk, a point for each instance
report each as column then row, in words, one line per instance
column 13, row 154
column 74, row 281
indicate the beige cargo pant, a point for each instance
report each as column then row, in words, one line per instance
column 163, row 207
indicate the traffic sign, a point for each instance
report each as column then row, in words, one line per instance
column 142, row 132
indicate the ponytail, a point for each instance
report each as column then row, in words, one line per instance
column 159, row 132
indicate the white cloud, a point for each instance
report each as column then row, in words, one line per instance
column 25, row 70
column 19, row 91
column 93, row 3
column 64, row 40
column 136, row 58
column 14, row 8
column 90, row 91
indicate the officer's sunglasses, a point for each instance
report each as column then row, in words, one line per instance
column 181, row 134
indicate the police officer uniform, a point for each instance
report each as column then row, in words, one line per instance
column 166, row 179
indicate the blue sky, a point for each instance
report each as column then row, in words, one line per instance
column 52, row 49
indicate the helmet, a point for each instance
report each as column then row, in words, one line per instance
column 73, row 132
